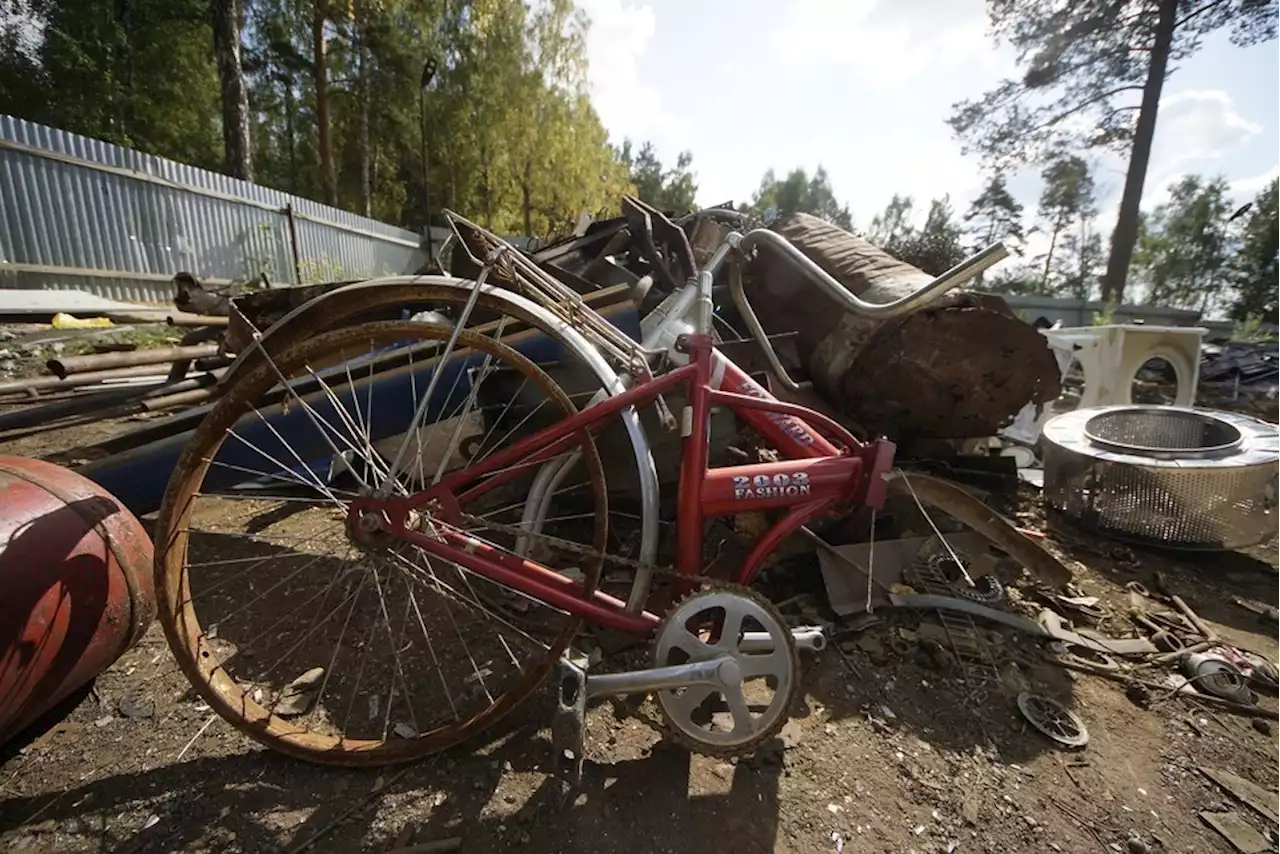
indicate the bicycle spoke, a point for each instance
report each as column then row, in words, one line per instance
column 482, row 375
column 448, row 591
column 316, row 624
column 444, row 683
column 230, row 467
column 519, row 505
column 278, row 622
column 321, row 488
column 337, row 646
column 371, row 456
column 310, row 412
column 395, row 653
column 364, row 657
column 410, row 650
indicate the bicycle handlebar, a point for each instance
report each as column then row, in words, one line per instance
column 957, row 275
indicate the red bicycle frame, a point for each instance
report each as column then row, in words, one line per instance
column 815, row 476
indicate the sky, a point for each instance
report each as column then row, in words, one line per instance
column 864, row 88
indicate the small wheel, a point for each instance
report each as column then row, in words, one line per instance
column 986, row 590
column 711, row 623
column 333, row 642
column 1053, row 720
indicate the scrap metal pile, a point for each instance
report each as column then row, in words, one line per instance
column 1242, row 364
column 93, row 370
column 958, row 367
column 940, row 556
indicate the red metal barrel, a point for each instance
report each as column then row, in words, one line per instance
column 75, row 586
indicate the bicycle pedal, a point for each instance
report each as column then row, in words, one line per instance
column 568, row 726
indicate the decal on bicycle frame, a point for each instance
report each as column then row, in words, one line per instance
column 771, row 486
column 792, row 426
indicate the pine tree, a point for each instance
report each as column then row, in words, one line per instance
column 1092, row 74
column 1254, row 273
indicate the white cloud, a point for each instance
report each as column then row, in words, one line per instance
column 938, row 169
column 887, row 42
column 1199, row 124
column 616, row 42
column 1244, row 189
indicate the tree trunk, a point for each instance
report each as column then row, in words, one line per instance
column 1125, row 236
column 526, row 186
column 320, row 72
column 235, row 95
column 901, row 377
column 290, row 136
column 488, row 190
column 1082, row 288
column 1048, row 260
column 363, row 154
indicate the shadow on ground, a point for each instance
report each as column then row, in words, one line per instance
column 258, row 801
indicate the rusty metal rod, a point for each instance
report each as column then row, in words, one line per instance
column 111, row 403
column 197, row 320
column 102, row 361
column 49, row 395
column 1209, row 634
column 29, row 385
column 181, row 398
column 1209, row 699
column 1175, row 655
column 89, row 378
column 102, row 401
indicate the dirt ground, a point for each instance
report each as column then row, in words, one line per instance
column 884, row 753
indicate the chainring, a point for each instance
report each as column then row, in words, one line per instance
column 631, row 707
column 678, row 717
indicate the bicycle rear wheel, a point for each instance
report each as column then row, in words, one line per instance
column 326, row 643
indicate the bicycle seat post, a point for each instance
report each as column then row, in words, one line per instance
column 705, row 306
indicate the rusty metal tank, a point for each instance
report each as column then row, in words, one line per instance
column 75, row 587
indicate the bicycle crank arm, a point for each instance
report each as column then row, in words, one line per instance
column 575, row 687
column 719, row 672
column 807, row 638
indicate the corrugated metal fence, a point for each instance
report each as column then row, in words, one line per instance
column 77, row 213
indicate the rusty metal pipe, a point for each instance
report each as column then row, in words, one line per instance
column 87, row 378
column 197, row 320
column 181, row 398
column 41, row 389
column 50, row 395
column 1209, row 634
column 112, row 402
column 102, row 361
column 101, row 401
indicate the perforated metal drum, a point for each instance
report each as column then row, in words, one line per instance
column 1179, row 478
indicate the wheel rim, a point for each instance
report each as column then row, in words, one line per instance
column 333, row 583
column 1053, row 720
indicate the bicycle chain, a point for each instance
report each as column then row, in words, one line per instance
column 587, row 551
column 637, row 711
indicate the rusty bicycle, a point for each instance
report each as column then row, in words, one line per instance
column 387, row 533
